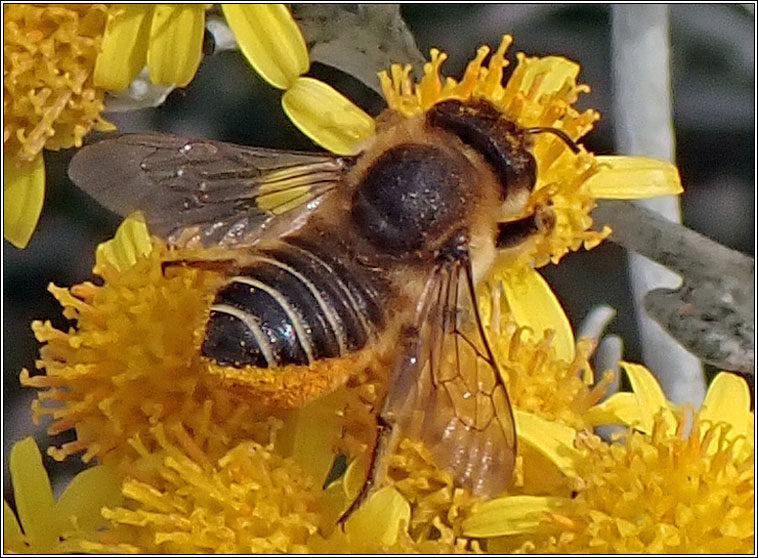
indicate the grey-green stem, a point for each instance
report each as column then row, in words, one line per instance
column 642, row 115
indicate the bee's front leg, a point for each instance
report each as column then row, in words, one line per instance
column 513, row 233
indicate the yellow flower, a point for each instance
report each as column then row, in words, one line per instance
column 58, row 63
column 48, row 55
column 540, row 92
column 540, row 380
column 167, row 38
column 205, row 470
column 60, row 60
column 272, row 43
column 657, row 489
column 132, row 361
column 49, row 100
column 48, row 526
column 270, row 40
column 251, row 500
column 128, row 378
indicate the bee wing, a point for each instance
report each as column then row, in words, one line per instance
column 213, row 192
column 447, row 389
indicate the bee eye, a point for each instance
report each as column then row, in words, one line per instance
column 500, row 142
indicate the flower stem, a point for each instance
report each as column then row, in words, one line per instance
column 642, row 112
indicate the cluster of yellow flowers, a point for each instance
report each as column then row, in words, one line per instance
column 185, row 465
column 59, row 60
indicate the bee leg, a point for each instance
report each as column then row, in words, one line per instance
column 220, row 265
column 382, row 446
column 495, row 308
column 514, row 233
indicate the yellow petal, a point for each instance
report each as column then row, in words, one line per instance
column 619, row 408
column 533, row 304
column 380, row 518
column 176, row 43
column 33, row 493
column 511, row 515
column 86, row 494
column 12, row 534
column 124, row 46
column 309, row 434
column 23, row 195
column 650, row 397
column 629, row 178
column 339, row 495
column 130, row 242
column 327, row 117
column 270, row 40
column 547, row 75
column 552, row 439
column 334, row 502
column 355, row 477
column 728, row 400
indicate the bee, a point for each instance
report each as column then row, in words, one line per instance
column 336, row 262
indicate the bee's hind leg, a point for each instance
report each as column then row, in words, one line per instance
column 383, row 445
column 223, row 265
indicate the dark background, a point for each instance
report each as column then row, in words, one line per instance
column 713, row 67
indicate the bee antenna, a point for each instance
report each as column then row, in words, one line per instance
column 555, row 131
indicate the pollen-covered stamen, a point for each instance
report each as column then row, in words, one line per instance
column 49, row 52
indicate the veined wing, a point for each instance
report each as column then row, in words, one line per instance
column 447, row 389
column 211, row 192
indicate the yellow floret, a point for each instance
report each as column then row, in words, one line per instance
column 49, row 53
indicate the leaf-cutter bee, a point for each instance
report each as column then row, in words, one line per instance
column 337, row 262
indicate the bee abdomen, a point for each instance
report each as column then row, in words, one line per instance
column 289, row 307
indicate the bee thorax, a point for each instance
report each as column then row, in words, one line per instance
column 410, row 198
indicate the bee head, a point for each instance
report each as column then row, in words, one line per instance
column 504, row 146
column 411, row 195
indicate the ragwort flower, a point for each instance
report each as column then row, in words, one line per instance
column 251, row 500
column 132, row 361
column 270, row 40
column 60, row 60
column 49, row 100
column 58, row 63
column 659, row 488
column 206, row 469
column 165, row 38
column 278, row 53
column 129, row 380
